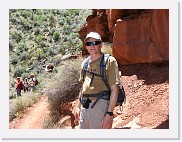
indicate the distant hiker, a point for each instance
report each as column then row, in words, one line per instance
column 26, row 85
column 94, row 110
column 19, row 85
column 49, row 67
column 32, row 82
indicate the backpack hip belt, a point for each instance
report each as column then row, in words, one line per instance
column 101, row 95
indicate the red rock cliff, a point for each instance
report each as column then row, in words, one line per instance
column 138, row 36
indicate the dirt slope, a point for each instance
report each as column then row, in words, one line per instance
column 147, row 89
column 147, row 101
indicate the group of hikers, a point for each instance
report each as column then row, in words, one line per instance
column 25, row 85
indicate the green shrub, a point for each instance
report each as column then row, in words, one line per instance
column 37, row 69
column 53, row 30
column 18, row 71
column 12, row 45
column 14, row 59
column 39, row 54
column 52, row 21
column 36, row 30
column 16, row 35
column 12, row 93
column 25, row 13
column 21, row 47
column 40, row 38
column 57, row 59
column 25, row 75
column 56, row 36
column 49, row 51
column 23, row 56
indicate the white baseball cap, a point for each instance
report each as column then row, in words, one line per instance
column 93, row 35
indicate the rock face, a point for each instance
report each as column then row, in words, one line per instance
column 138, row 36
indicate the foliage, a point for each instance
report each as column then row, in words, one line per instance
column 18, row 71
column 36, row 36
column 62, row 88
column 56, row 36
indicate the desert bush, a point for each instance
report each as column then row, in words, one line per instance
column 51, row 121
column 26, row 13
column 16, row 35
column 36, row 30
column 52, row 21
column 23, row 56
column 56, row 36
column 18, row 71
column 40, row 54
column 12, row 93
column 53, row 30
column 14, row 59
column 64, row 87
column 25, row 75
column 40, row 38
column 57, row 59
column 12, row 45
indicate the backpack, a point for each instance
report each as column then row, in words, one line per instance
column 121, row 95
column 36, row 81
column 25, row 84
column 22, row 86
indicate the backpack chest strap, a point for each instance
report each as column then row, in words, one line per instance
column 93, row 74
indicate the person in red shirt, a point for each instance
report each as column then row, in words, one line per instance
column 18, row 86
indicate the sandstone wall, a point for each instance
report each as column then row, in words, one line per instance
column 138, row 36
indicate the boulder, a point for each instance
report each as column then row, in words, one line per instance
column 142, row 40
column 138, row 35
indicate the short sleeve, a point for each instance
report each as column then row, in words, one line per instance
column 112, row 71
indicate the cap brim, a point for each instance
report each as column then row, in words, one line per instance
column 92, row 37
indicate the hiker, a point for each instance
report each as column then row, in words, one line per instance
column 19, row 85
column 32, row 82
column 26, row 85
column 92, row 112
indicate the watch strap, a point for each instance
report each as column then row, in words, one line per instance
column 109, row 113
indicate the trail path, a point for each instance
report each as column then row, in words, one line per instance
column 33, row 117
column 147, row 102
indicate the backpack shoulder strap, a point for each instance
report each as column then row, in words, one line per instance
column 103, row 69
column 85, row 66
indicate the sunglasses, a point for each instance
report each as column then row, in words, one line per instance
column 93, row 43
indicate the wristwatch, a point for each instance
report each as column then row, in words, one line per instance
column 109, row 113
